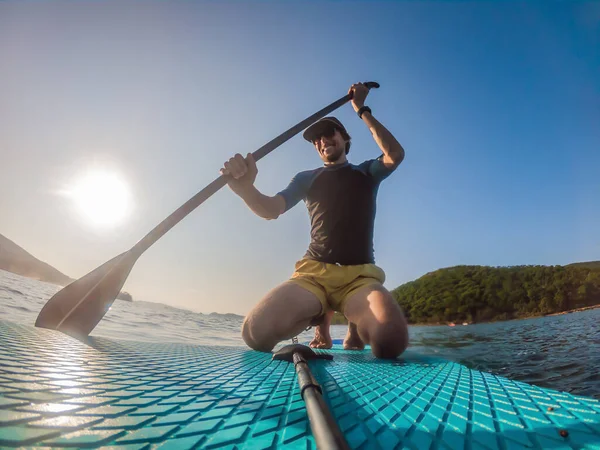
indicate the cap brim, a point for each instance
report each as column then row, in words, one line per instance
column 317, row 128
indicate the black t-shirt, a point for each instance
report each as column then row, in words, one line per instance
column 341, row 202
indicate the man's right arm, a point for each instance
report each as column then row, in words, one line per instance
column 262, row 205
column 241, row 173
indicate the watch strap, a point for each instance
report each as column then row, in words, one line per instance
column 362, row 110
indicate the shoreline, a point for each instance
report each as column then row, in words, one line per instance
column 585, row 308
column 570, row 311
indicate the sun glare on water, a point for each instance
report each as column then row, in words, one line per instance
column 102, row 197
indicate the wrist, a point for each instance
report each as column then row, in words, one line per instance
column 362, row 111
column 357, row 106
column 247, row 192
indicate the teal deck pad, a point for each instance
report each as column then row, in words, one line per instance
column 58, row 392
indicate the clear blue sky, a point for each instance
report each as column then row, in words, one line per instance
column 496, row 103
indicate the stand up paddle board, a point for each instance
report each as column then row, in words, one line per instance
column 59, row 392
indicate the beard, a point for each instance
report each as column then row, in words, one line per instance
column 335, row 155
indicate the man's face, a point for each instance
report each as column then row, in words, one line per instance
column 330, row 145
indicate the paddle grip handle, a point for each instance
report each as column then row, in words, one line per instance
column 283, row 137
column 369, row 85
column 372, row 84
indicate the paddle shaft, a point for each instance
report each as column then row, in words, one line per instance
column 162, row 228
column 325, row 429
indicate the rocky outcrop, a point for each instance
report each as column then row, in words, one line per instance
column 16, row 260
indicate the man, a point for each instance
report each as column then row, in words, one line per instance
column 338, row 272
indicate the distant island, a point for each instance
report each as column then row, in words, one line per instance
column 126, row 296
column 472, row 294
column 482, row 294
column 15, row 259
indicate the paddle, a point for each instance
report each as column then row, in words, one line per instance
column 325, row 429
column 77, row 308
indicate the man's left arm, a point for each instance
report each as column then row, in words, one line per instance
column 393, row 153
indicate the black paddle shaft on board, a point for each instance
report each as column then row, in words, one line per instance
column 325, row 429
column 77, row 308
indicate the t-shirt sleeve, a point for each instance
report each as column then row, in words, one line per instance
column 378, row 170
column 296, row 190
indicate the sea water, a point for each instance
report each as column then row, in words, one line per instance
column 558, row 352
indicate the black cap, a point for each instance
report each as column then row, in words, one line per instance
column 317, row 128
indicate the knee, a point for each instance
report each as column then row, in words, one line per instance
column 389, row 339
column 254, row 338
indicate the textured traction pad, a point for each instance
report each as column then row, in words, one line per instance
column 56, row 391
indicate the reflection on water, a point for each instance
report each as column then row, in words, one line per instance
column 559, row 352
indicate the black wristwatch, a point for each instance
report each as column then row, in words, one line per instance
column 362, row 110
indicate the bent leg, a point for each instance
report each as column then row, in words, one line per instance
column 379, row 320
column 283, row 313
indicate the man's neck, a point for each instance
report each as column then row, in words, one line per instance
column 341, row 160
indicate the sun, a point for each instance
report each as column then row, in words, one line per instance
column 102, row 197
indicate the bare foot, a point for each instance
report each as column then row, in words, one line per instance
column 322, row 337
column 353, row 340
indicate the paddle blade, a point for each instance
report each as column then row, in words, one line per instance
column 78, row 307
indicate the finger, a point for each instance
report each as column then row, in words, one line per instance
column 235, row 163
column 240, row 163
column 251, row 163
column 234, row 171
column 354, row 88
column 224, row 172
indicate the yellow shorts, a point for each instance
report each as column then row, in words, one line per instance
column 334, row 284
